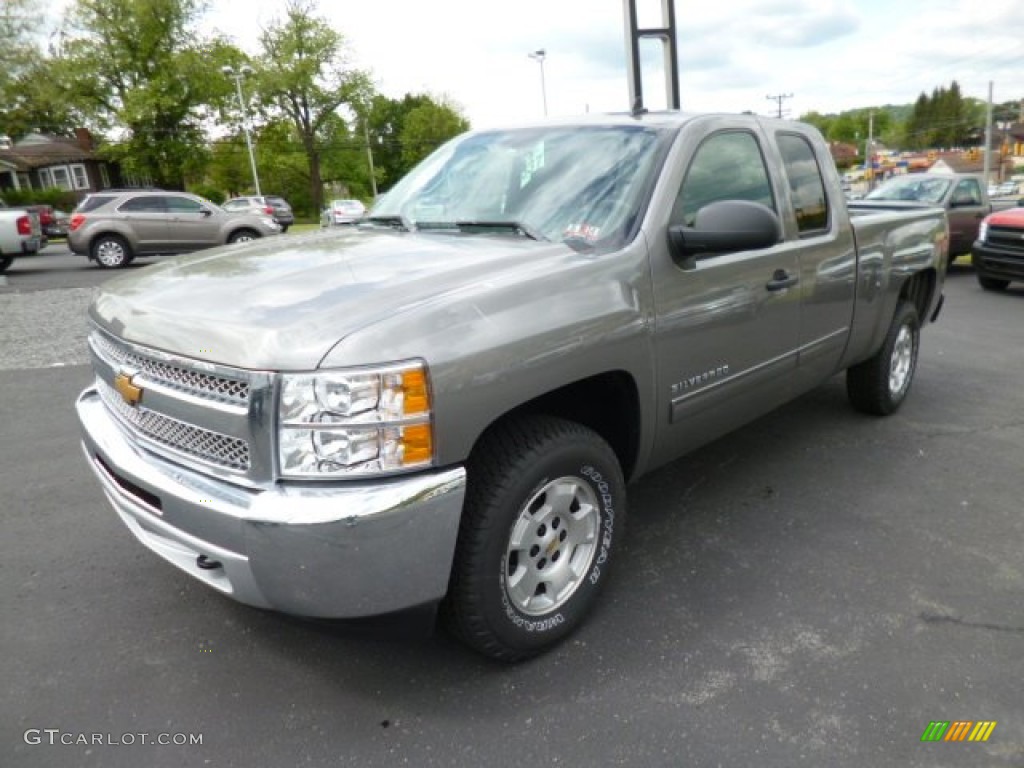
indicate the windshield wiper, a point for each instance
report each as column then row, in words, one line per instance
column 518, row 227
column 398, row 220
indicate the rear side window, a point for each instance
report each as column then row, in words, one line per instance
column 726, row 166
column 146, row 204
column 92, row 202
column 806, row 186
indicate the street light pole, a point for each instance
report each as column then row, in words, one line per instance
column 242, row 72
column 539, row 56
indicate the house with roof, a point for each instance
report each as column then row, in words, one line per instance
column 40, row 161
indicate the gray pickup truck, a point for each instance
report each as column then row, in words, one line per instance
column 443, row 404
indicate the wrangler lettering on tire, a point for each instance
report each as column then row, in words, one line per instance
column 544, row 509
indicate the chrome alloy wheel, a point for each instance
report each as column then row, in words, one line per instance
column 902, row 361
column 110, row 253
column 552, row 545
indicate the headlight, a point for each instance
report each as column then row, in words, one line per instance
column 366, row 421
column 983, row 231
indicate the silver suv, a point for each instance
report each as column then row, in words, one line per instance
column 112, row 228
column 272, row 205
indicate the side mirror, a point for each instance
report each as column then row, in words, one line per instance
column 726, row 226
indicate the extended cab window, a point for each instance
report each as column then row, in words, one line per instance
column 726, row 166
column 806, row 186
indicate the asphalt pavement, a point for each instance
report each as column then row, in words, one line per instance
column 814, row 589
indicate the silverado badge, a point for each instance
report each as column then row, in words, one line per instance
column 131, row 393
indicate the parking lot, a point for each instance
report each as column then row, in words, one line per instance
column 813, row 589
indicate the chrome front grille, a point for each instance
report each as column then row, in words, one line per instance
column 199, row 443
column 197, row 383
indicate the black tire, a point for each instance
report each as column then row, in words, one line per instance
column 111, row 252
column 243, row 236
column 565, row 478
column 284, row 228
column 5, row 262
column 880, row 384
column 992, row 283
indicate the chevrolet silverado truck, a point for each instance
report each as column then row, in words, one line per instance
column 20, row 234
column 443, row 404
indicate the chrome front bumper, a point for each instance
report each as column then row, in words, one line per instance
column 339, row 550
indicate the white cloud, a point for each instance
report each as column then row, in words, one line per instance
column 830, row 54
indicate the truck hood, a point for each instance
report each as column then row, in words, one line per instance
column 1011, row 217
column 283, row 303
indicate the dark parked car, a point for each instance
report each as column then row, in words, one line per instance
column 112, row 229
column 272, row 205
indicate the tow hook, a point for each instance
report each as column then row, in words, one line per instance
column 207, row 564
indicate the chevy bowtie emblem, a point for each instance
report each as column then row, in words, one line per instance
column 128, row 391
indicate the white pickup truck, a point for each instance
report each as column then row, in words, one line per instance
column 20, row 234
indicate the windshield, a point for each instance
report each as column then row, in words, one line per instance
column 916, row 188
column 578, row 183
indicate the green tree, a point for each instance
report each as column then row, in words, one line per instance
column 139, row 68
column 403, row 131
column 305, row 76
column 28, row 93
column 428, row 126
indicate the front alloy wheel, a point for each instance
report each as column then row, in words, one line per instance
column 544, row 509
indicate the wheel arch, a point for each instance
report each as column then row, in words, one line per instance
column 94, row 238
column 920, row 290
column 607, row 403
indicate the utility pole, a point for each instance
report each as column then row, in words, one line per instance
column 237, row 76
column 778, row 98
column 869, row 161
column 987, row 168
column 369, row 158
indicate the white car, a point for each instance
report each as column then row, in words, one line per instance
column 340, row 212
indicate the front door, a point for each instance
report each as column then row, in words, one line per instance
column 727, row 325
column 192, row 225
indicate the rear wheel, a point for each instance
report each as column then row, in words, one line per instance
column 5, row 262
column 284, row 228
column 544, row 510
column 879, row 385
column 111, row 252
column 242, row 236
column 992, row 283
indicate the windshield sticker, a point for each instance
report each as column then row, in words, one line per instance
column 586, row 232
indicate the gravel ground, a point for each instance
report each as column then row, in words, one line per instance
column 44, row 329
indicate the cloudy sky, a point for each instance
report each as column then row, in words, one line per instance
column 829, row 54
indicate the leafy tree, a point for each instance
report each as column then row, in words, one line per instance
column 27, row 89
column 305, row 76
column 138, row 68
column 428, row 126
column 403, row 131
